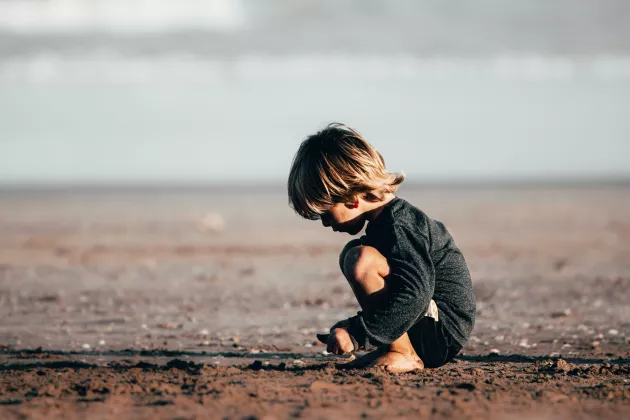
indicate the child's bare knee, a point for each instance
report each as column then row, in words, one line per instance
column 342, row 256
column 362, row 261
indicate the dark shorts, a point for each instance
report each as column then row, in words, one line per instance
column 433, row 343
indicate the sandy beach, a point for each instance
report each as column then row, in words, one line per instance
column 195, row 303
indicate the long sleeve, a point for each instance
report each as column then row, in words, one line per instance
column 410, row 285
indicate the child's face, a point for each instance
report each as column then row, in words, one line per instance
column 344, row 217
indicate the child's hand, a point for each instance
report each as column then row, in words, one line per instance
column 339, row 342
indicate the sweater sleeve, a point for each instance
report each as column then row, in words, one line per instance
column 410, row 284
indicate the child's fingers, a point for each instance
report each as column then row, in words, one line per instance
column 333, row 347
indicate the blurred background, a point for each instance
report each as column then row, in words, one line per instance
column 152, row 92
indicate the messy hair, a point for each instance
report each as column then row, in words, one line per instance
column 333, row 166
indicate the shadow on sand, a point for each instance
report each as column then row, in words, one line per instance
column 121, row 362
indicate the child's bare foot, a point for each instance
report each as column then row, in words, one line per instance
column 391, row 361
column 396, row 362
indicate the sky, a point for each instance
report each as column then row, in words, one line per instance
column 90, row 95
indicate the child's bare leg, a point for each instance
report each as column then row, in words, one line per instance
column 366, row 269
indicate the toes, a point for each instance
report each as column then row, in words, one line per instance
column 402, row 369
column 398, row 365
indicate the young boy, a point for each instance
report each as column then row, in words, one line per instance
column 409, row 277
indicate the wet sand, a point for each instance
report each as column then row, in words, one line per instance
column 205, row 303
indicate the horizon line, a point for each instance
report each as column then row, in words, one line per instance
column 273, row 185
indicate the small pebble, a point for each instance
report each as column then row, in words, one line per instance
column 560, row 314
column 101, row 342
column 494, row 352
column 613, row 332
column 85, row 346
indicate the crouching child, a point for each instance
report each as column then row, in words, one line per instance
column 409, row 278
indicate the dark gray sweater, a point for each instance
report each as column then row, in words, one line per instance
column 424, row 264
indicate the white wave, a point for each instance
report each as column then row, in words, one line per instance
column 112, row 67
column 72, row 16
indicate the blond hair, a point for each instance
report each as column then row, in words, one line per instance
column 334, row 166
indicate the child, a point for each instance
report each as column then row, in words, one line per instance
column 409, row 277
